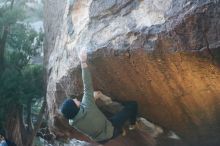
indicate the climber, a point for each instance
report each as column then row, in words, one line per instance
column 86, row 117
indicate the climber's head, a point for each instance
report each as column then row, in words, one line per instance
column 70, row 108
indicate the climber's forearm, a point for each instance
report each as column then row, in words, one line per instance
column 84, row 64
column 87, row 79
column 87, row 85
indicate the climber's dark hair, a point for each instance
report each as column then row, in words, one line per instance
column 69, row 109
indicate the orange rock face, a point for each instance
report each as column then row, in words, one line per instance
column 177, row 91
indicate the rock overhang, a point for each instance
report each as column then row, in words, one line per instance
column 160, row 62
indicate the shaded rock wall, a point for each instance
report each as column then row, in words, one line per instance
column 164, row 54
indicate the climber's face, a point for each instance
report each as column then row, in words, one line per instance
column 77, row 102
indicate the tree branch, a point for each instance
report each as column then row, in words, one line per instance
column 40, row 115
column 2, row 46
column 12, row 3
column 3, row 40
column 29, row 117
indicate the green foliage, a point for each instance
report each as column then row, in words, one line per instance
column 22, row 44
column 10, row 87
column 20, row 81
column 9, row 16
column 17, row 87
column 32, row 82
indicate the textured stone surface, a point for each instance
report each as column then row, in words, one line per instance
column 163, row 54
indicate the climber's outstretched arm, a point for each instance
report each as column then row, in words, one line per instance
column 87, row 79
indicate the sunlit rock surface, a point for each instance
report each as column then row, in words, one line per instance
column 163, row 54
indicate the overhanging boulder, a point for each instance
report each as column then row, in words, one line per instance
column 163, row 54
